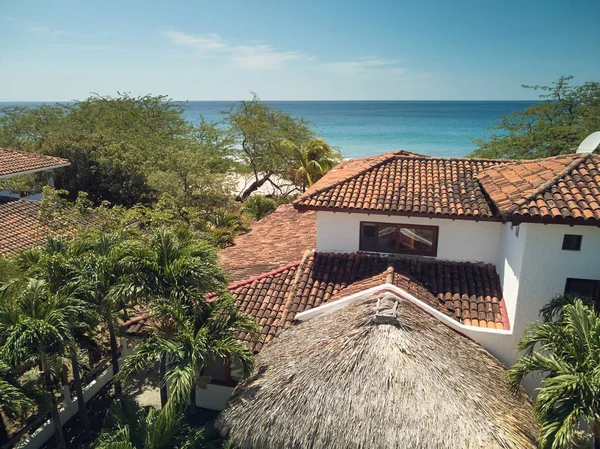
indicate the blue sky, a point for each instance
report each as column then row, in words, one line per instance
column 294, row 50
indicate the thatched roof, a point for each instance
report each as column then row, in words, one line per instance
column 367, row 376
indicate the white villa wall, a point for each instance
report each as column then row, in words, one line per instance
column 213, row 397
column 461, row 240
column 508, row 264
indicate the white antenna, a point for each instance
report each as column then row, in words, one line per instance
column 590, row 143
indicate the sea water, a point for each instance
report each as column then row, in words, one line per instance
column 362, row 128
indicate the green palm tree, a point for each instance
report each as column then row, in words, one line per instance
column 54, row 264
column 566, row 353
column 313, row 160
column 193, row 335
column 174, row 267
column 105, row 274
column 131, row 426
column 34, row 325
column 14, row 398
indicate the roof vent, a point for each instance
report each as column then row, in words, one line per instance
column 590, row 143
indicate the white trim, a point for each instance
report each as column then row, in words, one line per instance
column 343, row 302
column 35, row 170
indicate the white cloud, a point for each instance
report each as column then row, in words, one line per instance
column 367, row 66
column 248, row 56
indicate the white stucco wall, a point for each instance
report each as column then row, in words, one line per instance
column 462, row 240
column 508, row 264
column 213, row 397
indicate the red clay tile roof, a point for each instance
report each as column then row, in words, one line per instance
column 561, row 187
column 468, row 292
column 278, row 239
column 405, row 184
column 21, row 229
column 19, row 225
column 14, row 162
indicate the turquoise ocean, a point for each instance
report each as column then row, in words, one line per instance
column 361, row 128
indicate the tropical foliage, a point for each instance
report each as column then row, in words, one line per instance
column 15, row 398
column 566, row 115
column 133, row 150
column 259, row 131
column 565, row 352
column 192, row 333
column 36, row 324
column 131, row 426
column 312, row 160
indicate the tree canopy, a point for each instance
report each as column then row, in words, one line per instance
column 116, row 144
column 556, row 125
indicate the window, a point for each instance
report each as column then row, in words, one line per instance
column 572, row 242
column 403, row 239
column 584, row 288
column 218, row 370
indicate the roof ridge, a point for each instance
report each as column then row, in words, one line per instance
column 392, row 155
column 258, row 277
column 576, row 162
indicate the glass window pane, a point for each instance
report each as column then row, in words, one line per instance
column 237, row 373
column 368, row 241
column 583, row 288
column 572, row 242
column 386, row 238
column 417, row 240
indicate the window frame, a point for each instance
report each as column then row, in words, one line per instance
column 398, row 226
column 580, row 242
column 595, row 293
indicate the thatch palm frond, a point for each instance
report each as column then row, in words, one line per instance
column 566, row 353
column 377, row 373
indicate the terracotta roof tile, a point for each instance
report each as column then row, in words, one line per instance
column 468, row 292
column 14, row 162
column 557, row 188
column 21, row 229
column 19, row 225
column 278, row 239
column 405, row 184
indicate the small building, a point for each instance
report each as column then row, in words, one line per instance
column 376, row 373
column 20, row 226
column 486, row 242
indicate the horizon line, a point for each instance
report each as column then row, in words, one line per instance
column 282, row 101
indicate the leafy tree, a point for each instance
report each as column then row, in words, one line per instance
column 131, row 426
column 257, row 207
column 259, row 131
column 193, row 332
column 34, row 325
column 555, row 126
column 312, row 160
column 187, row 174
column 566, row 352
column 115, row 143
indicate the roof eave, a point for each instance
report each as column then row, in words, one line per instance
column 303, row 207
column 35, row 170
